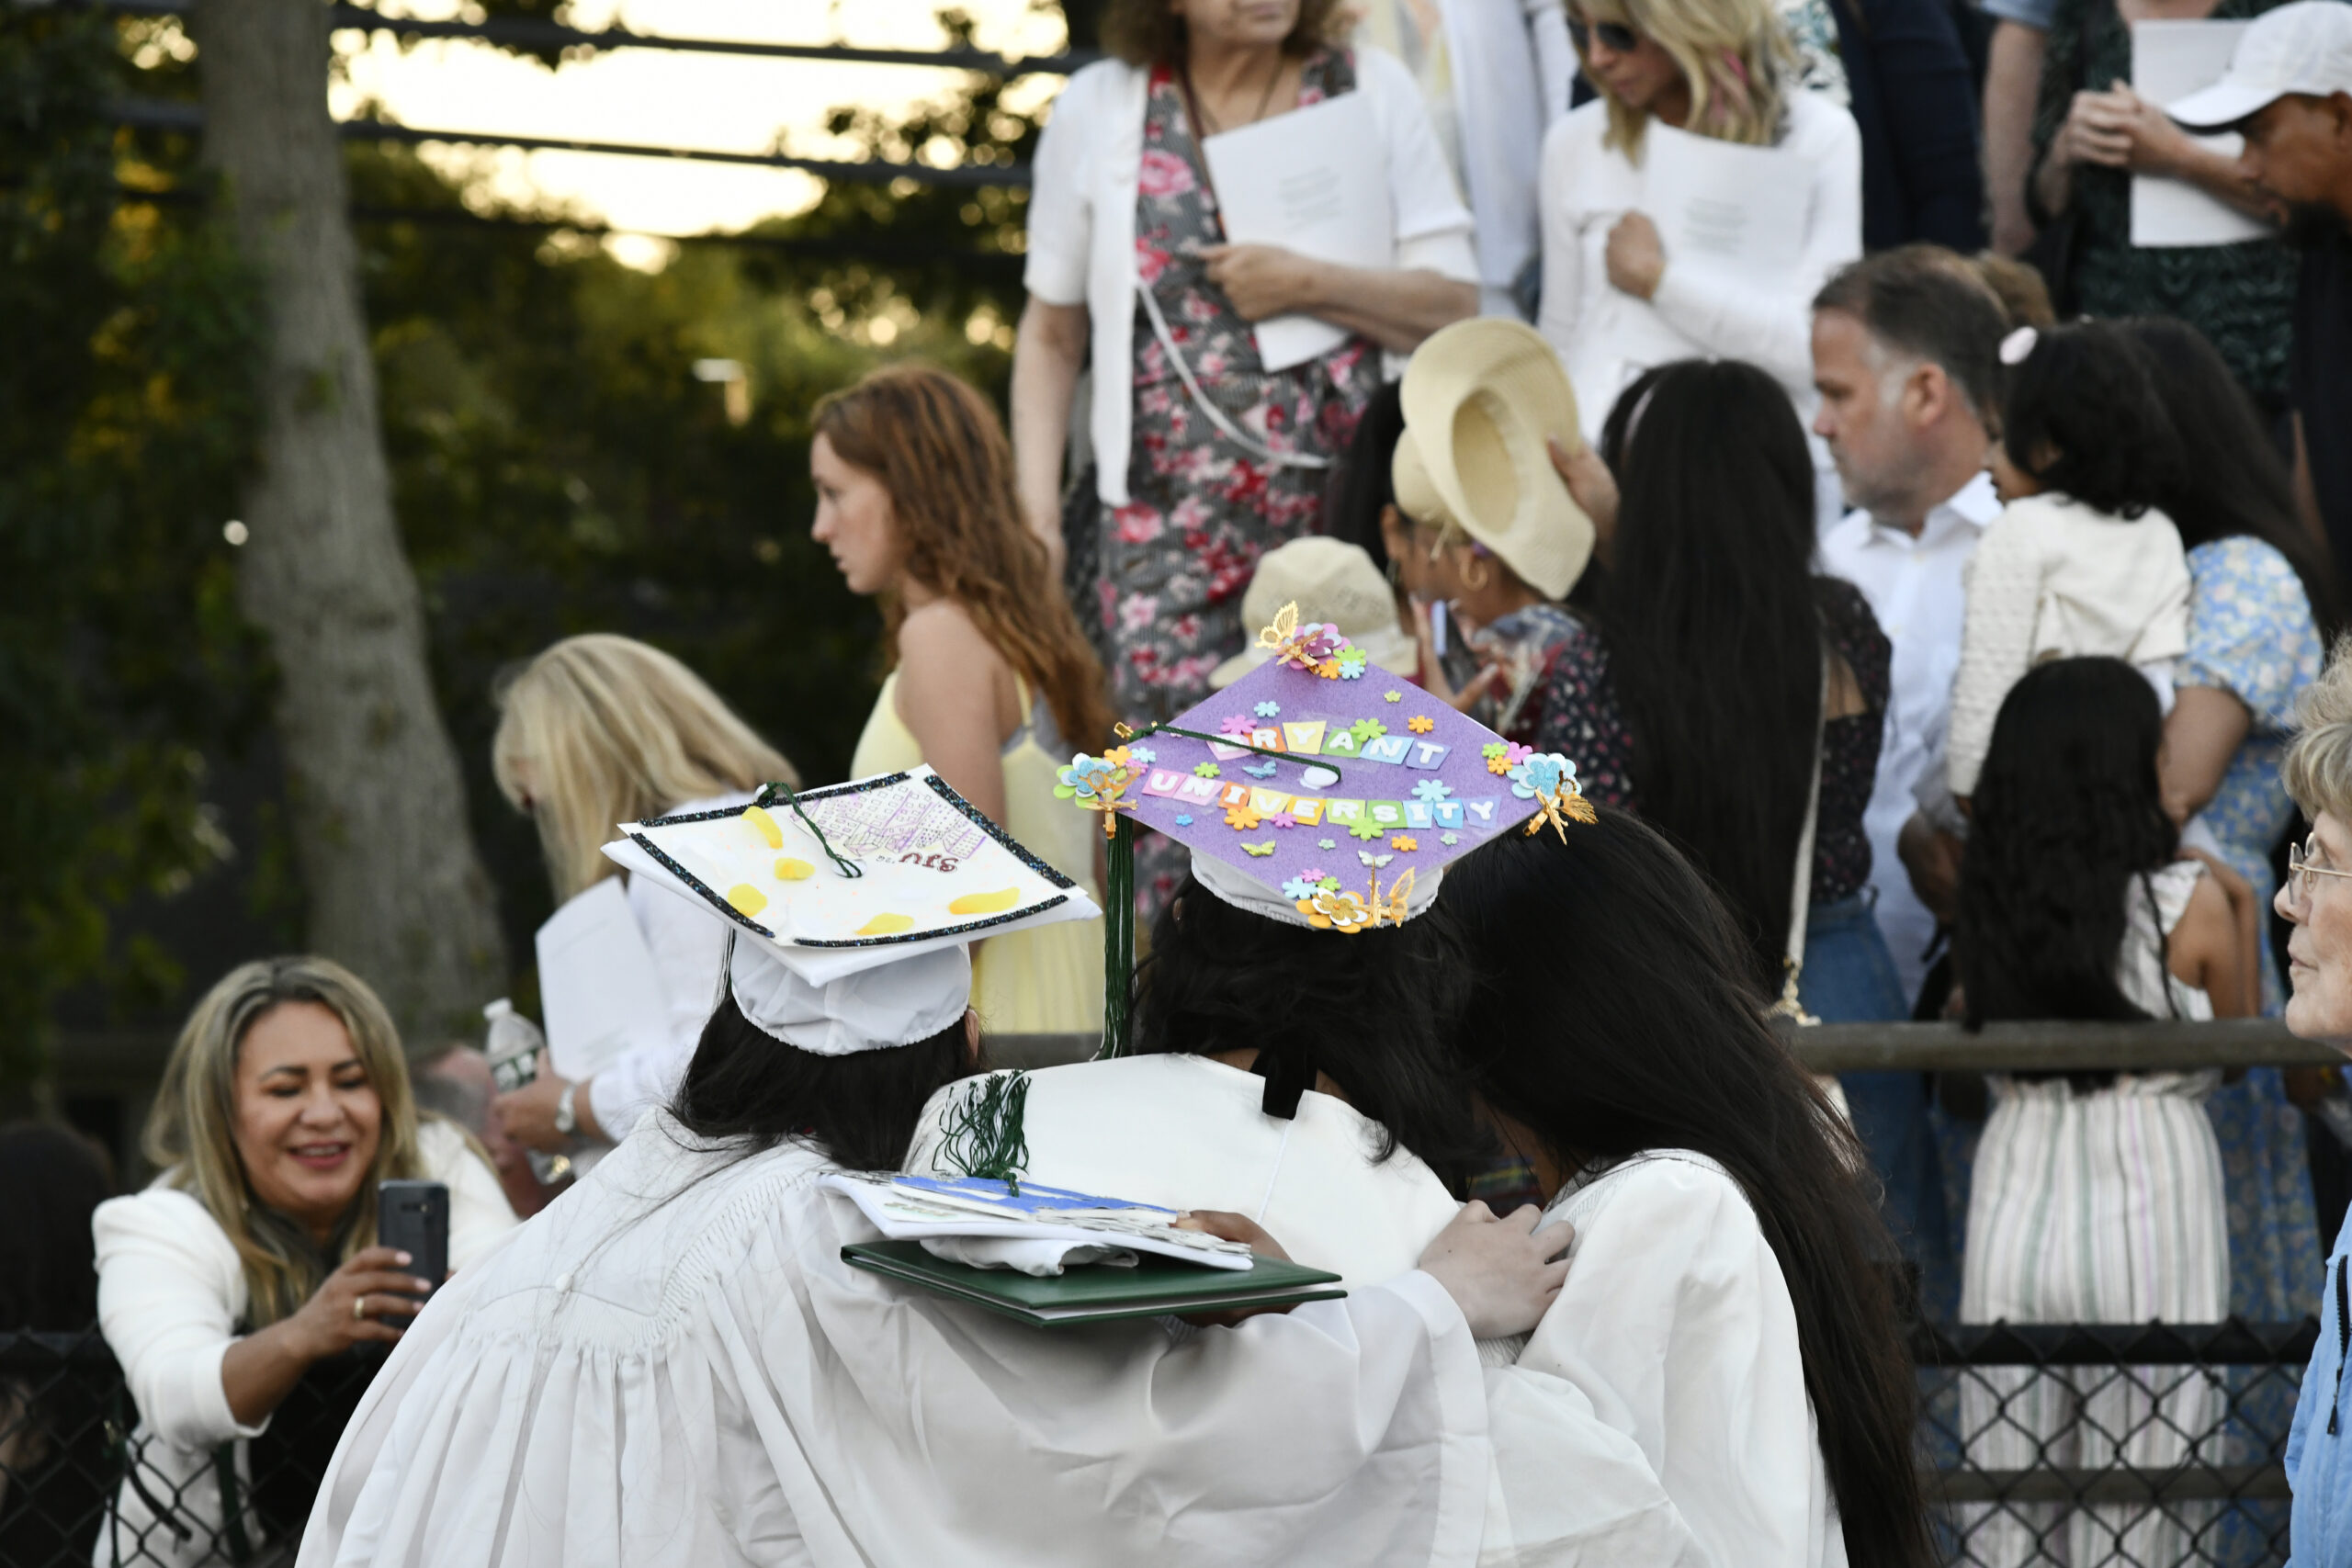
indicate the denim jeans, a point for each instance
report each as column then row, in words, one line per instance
column 1849, row 977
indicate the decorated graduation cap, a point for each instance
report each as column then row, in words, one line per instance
column 849, row 909
column 1320, row 790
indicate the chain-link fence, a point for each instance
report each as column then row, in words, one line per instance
column 2092, row 1447
column 79, row 1484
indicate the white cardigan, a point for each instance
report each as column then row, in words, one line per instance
column 2051, row 579
column 1605, row 335
column 170, row 1293
column 1082, row 219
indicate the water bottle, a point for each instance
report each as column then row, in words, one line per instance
column 515, row 1048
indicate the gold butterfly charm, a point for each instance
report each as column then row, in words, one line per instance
column 1562, row 806
column 1286, row 626
column 1391, row 905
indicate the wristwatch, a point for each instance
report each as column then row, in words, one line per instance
column 567, row 1120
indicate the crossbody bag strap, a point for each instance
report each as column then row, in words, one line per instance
column 1801, row 884
column 1209, row 411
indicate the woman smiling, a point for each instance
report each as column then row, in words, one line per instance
column 252, row 1258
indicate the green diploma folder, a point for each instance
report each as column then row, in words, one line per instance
column 1092, row 1293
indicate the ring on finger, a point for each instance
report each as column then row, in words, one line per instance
column 358, row 1308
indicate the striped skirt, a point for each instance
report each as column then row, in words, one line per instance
column 2101, row 1206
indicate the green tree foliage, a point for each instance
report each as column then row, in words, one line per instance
column 558, row 468
column 125, row 416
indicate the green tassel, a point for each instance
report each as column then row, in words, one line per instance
column 983, row 1130
column 1118, row 937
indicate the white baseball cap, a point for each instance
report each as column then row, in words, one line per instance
column 2304, row 47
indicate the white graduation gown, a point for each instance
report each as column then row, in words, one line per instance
column 1675, row 1322
column 1570, row 1484
column 671, row 1367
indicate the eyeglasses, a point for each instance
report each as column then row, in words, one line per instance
column 1620, row 38
column 2301, row 874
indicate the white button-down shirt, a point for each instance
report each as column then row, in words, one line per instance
column 1914, row 588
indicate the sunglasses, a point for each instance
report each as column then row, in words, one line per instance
column 1620, row 38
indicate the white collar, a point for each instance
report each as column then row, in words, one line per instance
column 1972, row 505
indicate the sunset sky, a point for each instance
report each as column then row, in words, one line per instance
column 654, row 96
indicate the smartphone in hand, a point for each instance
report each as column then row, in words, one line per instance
column 414, row 1217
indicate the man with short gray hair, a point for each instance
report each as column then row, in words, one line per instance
column 1905, row 353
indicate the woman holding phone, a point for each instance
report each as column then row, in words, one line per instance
column 251, row 1261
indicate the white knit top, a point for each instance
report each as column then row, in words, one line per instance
column 2051, row 579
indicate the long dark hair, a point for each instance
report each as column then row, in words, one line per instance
column 2066, row 815
column 1613, row 1015
column 1373, row 1010
column 2232, row 480
column 1712, row 617
column 1363, row 488
column 746, row 1086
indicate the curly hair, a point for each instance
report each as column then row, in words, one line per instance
column 1151, row 32
column 2067, row 814
column 941, row 452
column 2083, row 416
column 2317, row 770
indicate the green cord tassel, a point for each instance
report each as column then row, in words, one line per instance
column 1118, row 936
column 983, row 1130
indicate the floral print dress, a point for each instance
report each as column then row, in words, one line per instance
column 1202, row 508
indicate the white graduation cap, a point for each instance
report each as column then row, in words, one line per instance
column 852, row 907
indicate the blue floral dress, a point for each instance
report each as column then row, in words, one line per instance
column 2251, row 634
column 1202, row 509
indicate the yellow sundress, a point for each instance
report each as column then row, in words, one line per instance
column 1049, row 979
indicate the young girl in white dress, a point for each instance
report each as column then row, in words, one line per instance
column 2098, row 1197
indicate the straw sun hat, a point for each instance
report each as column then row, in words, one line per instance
column 1330, row 581
column 1479, row 398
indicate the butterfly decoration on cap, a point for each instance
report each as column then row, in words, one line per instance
column 1317, row 648
column 1330, row 909
column 1550, row 779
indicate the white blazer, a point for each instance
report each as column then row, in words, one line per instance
column 171, row 1295
column 1588, row 187
column 1082, row 219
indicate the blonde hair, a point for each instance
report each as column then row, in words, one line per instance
column 614, row 732
column 191, row 1132
column 1734, row 55
column 2317, row 770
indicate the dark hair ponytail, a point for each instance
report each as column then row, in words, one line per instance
column 1613, row 1015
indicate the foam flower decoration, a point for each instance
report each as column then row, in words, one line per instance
column 1282, row 819
column 1330, row 884
column 1087, row 779
column 1430, row 791
column 1185, row 820
column 1330, row 669
column 1206, row 769
column 1351, row 664
column 1326, row 843
column 1330, row 910
column 1541, row 775
column 1404, row 842
column 1242, row 817
column 1303, row 885
column 1497, row 759
column 1268, row 710
column 1494, row 749
column 1449, row 837
column 1367, row 828
column 1313, row 872
column 1236, row 724
column 1142, row 756
column 1118, row 756
column 1096, row 784
column 1420, row 724
column 1366, row 729
column 1392, row 697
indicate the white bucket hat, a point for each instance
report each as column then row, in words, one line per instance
column 1329, row 580
column 2304, row 47
column 1480, row 398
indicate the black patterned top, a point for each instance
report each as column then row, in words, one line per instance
column 1582, row 722
column 2241, row 296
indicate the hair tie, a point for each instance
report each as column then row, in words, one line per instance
column 2018, row 347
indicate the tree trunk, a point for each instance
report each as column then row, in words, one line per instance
column 378, row 805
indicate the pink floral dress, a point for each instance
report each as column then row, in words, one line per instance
column 1202, row 509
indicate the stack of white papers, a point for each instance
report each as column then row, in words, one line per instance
column 928, row 1208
